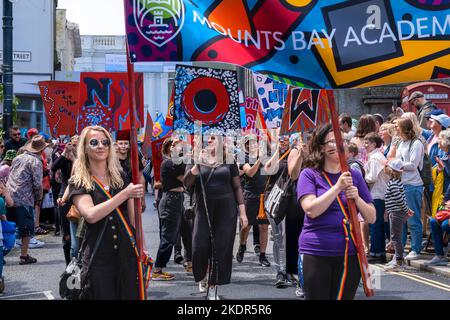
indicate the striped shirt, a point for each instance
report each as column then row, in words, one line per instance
column 395, row 200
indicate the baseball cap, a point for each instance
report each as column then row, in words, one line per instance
column 435, row 112
column 443, row 119
column 415, row 95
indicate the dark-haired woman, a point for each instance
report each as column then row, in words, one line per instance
column 322, row 188
column 366, row 125
column 411, row 151
column 223, row 195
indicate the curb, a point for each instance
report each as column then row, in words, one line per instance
column 420, row 265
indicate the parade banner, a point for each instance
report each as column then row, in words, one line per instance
column 157, row 158
column 319, row 44
column 147, row 145
column 104, row 100
column 305, row 109
column 170, row 110
column 61, row 104
column 207, row 95
column 254, row 120
column 160, row 128
column 272, row 97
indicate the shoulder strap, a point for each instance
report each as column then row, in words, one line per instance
column 209, row 176
column 97, row 243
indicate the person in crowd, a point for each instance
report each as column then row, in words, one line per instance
column 31, row 133
column 294, row 217
column 352, row 151
column 2, row 148
column 5, row 198
column 5, row 165
column 322, row 191
column 377, row 181
column 25, row 186
column 276, row 167
column 438, row 124
column 170, row 210
column 423, row 107
column 124, row 155
column 113, row 269
column 411, row 151
column 398, row 211
column 16, row 141
column 218, row 220
column 346, row 125
column 387, row 133
column 366, row 125
column 379, row 120
column 254, row 186
column 443, row 164
column 64, row 164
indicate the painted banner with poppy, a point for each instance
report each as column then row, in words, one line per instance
column 61, row 103
column 170, row 110
column 305, row 109
column 104, row 100
column 317, row 44
column 207, row 95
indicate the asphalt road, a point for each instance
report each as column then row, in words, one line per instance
column 249, row 280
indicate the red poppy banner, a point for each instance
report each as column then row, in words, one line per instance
column 61, row 104
column 104, row 100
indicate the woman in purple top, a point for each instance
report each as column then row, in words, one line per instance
column 322, row 241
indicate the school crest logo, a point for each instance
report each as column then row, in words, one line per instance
column 159, row 21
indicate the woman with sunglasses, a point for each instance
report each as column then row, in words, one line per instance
column 113, row 270
column 223, row 196
column 322, row 191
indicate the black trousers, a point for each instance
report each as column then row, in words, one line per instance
column 185, row 237
column 223, row 217
column 65, row 225
column 170, row 214
column 294, row 225
column 323, row 275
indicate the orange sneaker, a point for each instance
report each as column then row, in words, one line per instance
column 162, row 276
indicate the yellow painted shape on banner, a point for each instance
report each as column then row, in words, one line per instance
column 412, row 50
column 299, row 3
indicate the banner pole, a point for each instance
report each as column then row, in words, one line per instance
column 364, row 266
column 135, row 170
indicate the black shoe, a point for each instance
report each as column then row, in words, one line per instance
column 178, row 258
column 376, row 259
column 281, row 281
column 263, row 261
column 240, row 253
column 257, row 249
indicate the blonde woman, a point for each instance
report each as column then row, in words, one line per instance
column 113, row 270
column 387, row 133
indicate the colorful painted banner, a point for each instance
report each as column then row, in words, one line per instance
column 61, row 104
column 206, row 95
column 147, row 145
column 305, row 109
column 104, row 100
column 254, row 120
column 272, row 97
column 319, row 44
column 157, row 158
column 160, row 129
column 170, row 109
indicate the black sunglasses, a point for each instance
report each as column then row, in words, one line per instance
column 96, row 142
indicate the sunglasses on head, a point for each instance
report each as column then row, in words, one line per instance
column 95, row 143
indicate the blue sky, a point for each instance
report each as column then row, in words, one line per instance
column 96, row 17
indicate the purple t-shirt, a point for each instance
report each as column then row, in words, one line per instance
column 324, row 235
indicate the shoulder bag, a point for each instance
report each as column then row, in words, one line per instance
column 70, row 285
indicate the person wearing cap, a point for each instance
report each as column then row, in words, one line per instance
column 16, row 141
column 437, row 124
column 397, row 209
column 426, row 133
column 25, row 186
column 31, row 133
column 424, row 107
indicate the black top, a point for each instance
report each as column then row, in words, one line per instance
column 115, row 236
column 65, row 165
column 15, row 145
column 224, row 180
column 253, row 186
column 126, row 166
column 169, row 174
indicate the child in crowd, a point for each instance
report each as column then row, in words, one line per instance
column 398, row 211
column 352, row 158
column 4, row 196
